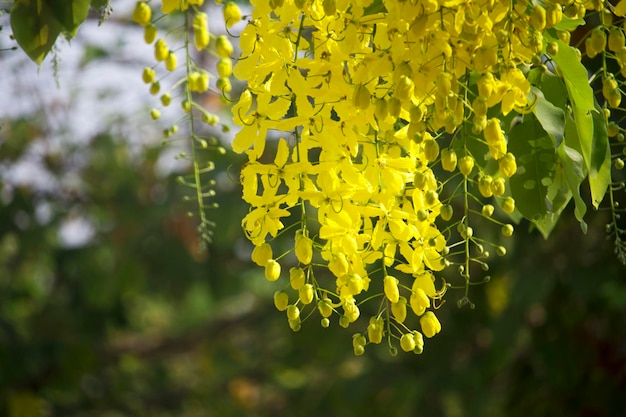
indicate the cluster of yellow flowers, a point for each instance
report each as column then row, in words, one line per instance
column 372, row 102
column 363, row 121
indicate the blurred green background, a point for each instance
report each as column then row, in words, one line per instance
column 109, row 308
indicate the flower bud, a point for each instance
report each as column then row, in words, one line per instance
column 201, row 30
column 149, row 33
column 361, row 97
column 448, row 159
column 498, row 186
column 303, row 248
column 407, row 342
column 381, row 110
column 225, row 67
column 232, row 14
column 376, row 330
column 272, row 270
column 330, row 7
column 281, row 300
column 419, row 301
column 306, row 294
column 142, row 13
column 431, row 150
column 325, row 307
column 430, row 324
column 390, row 285
column 296, row 278
column 404, row 88
column 223, row 46
column 466, row 164
column 160, row 50
column 508, row 205
column 399, row 310
column 507, row 165
column 171, row 61
column 293, row 312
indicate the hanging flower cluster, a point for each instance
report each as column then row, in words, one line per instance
column 382, row 109
column 194, row 39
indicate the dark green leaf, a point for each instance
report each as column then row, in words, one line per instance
column 71, row 14
column 600, row 163
column 34, row 27
column 552, row 118
column 584, row 111
column 536, row 160
column 573, row 169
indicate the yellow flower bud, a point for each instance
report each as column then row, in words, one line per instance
column 303, row 248
column 171, row 61
column 296, row 278
column 431, row 150
column 538, row 18
column 272, row 270
column 281, row 300
column 419, row 301
column 390, row 285
column 508, row 205
column 361, row 97
column 261, row 254
column 325, row 307
column 201, row 30
column 350, row 309
column 597, row 40
column 498, row 186
column 148, row 75
column 507, row 230
column 376, row 330
column 224, row 67
column 142, row 13
column 160, row 50
column 224, row 85
column 293, row 312
column 484, row 186
column 166, row 99
column 448, row 159
column 395, row 106
column 232, row 14
column 330, row 7
column 407, row 342
column 404, row 88
column 223, row 46
column 306, row 294
column 381, row 110
column 507, row 165
column 149, row 33
column 487, row 210
column 554, row 14
column 430, row 324
column 155, row 114
column 616, row 39
column 466, row 164
column 155, row 87
column 399, row 310
column 419, row 342
column 446, row 212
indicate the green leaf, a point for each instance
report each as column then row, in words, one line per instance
column 573, row 168
column 536, row 160
column 552, row 118
column 71, row 14
column 600, row 163
column 34, row 27
column 581, row 97
column 569, row 24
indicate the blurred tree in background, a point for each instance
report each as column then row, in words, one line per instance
column 109, row 308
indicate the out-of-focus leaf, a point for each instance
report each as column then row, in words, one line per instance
column 34, row 27
column 71, row 14
column 600, row 163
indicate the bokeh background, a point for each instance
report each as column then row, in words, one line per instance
column 109, row 306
